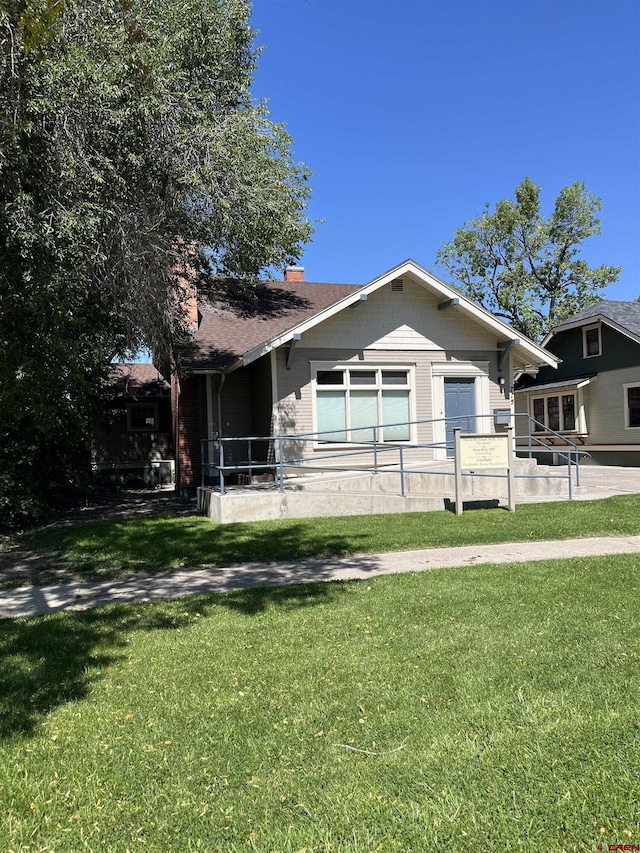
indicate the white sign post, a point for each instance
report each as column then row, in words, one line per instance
column 476, row 452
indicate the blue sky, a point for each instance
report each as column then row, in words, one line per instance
column 414, row 113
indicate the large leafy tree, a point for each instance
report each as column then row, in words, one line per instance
column 131, row 150
column 524, row 267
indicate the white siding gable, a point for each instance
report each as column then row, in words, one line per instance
column 400, row 321
column 404, row 338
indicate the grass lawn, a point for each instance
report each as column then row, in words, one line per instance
column 114, row 548
column 480, row 708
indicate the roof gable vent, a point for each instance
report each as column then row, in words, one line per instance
column 397, row 285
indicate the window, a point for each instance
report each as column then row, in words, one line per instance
column 142, row 417
column 538, row 414
column 555, row 412
column 591, row 341
column 632, row 406
column 350, row 401
column 569, row 411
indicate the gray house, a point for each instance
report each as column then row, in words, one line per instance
column 593, row 397
column 403, row 352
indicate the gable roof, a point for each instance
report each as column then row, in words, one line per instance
column 622, row 316
column 137, row 380
column 239, row 320
column 238, row 329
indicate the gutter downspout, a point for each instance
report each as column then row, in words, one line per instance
column 223, row 376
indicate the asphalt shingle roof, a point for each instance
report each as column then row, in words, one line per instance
column 238, row 319
column 625, row 314
column 137, row 380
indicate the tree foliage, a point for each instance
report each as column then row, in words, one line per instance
column 131, row 149
column 524, row 267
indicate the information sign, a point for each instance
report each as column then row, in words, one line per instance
column 484, row 451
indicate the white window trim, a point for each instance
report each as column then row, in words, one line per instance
column 132, row 406
column 477, row 370
column 586, row 329
column 625, row 403
column 320, row 366
column 577, row 411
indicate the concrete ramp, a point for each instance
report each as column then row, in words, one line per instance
column 364, row 493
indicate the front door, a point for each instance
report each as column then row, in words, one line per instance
column 459, row 407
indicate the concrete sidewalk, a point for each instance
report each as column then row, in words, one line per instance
column 33, row 600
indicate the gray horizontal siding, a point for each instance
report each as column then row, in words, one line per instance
column 295, row 406
column 605, row 407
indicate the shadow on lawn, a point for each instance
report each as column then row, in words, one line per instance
column 113, row 548
column 47, row 662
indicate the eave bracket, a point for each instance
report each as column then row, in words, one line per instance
column 505, row 347
column 292, row 346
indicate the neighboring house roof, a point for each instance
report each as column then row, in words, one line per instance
column 622, row 316
column 137, row 380
column 576, row 382
column 236, row 330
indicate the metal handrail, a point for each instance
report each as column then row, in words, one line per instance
column 377, row 447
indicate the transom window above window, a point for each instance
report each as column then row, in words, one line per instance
column 591, row 341
column 360, row 403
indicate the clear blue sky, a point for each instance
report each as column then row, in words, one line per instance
column 414, row 113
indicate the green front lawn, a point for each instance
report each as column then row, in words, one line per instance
column 480, row 708
column 119, row 547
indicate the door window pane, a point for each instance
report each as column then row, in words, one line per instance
column 332, row 415
column 364, row 413
column 395, row 410
column 568, row 411
column 553, row 413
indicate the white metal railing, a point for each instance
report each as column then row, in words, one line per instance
column 216, row 460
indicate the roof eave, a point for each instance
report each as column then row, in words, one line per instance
column 525, row 347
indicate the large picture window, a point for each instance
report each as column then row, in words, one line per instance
column 351, row 400
column 555, row 412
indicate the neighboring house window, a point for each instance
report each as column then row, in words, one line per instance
column 591, row 341
column 351, row 400
column 555, row 412
column 632, row 405
column 142, row 417
column 569, row 411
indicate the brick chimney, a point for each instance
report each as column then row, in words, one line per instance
column 294, row 274
column 188, row 296
column 190, row 306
